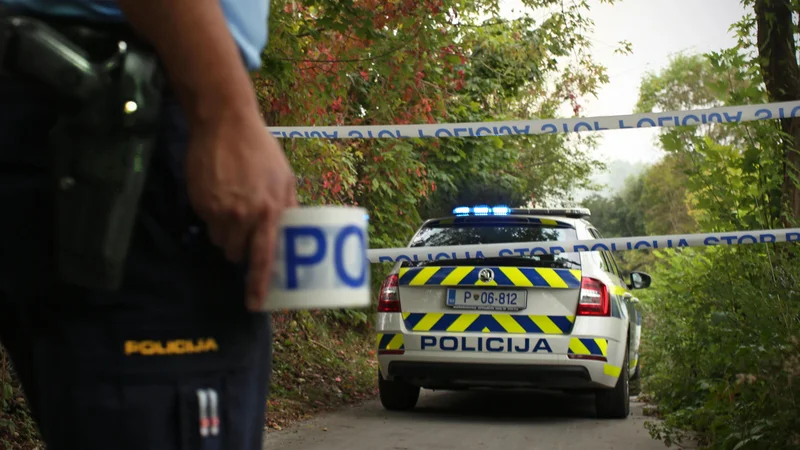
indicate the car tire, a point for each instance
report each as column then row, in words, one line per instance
column 636, row 372
column 636, row 387
column 397, row 395
column 615, row 403
column 636, row 379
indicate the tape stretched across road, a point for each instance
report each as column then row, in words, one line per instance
column 728, row 114
column 555, row 247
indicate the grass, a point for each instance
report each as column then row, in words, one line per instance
column 319, row 364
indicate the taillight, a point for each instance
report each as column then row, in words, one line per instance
column 594, row 299
column 389, row 300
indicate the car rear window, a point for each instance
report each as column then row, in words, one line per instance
column 498, row 232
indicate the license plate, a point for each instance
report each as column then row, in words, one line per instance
column 488, row 299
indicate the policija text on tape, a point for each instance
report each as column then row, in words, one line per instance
column 722, row 115
column 391, row 255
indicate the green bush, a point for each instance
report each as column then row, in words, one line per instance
column 721, row 350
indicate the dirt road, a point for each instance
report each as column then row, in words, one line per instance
column 471, row 421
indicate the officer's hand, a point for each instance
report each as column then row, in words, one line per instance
column 240, row 182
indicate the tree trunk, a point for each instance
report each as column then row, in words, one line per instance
column 778, row 60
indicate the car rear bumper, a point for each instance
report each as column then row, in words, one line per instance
column 441, row 375
column 589, row 357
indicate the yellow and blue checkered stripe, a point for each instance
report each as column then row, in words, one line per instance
column 488, row 323
column 503, row 276
column 390, row 341
column 588, row 346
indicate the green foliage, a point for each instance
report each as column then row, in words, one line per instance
column 17, row 429
column 655, row 202
column 732, row 174
column 612, row 180
column 664, row 200
column 434, row 61
column 620, row 215
column 721, row 355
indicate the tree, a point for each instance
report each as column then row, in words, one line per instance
column 620, row 215
column 664, row 199
column 728, row 173
column 390, row 61
column 721, row 312
column 689, row 81
column 778, row 60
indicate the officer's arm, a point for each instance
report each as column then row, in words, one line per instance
column 199, row 53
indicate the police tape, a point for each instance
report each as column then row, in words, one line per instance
column 392, row 255
column 727, row 114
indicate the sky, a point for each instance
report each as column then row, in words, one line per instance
column 656, row 29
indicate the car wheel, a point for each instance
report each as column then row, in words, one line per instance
column 636, row 387
column 636, row 372
column 397, row 395
column 615, row 403
column 636, row 379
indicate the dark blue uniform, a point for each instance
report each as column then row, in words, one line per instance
column 170, row 361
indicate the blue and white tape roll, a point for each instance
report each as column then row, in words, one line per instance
column 321, row 260
column 727, row 114
column 391, row 255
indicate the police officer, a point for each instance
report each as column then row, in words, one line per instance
column 178, row 357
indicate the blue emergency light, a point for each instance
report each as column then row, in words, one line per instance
column 482, row 210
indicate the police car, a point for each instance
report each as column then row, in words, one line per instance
column 524, row 319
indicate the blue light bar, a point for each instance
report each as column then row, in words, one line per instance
column 502, row 210
column 482, row 210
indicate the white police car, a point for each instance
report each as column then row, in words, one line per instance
column 566, row 322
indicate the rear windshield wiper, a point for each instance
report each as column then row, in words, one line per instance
column 566, row 262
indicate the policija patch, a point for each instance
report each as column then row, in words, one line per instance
column 172, row 347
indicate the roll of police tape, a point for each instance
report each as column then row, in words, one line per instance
column 321, row 260
column 391, row 255
column 727, row 114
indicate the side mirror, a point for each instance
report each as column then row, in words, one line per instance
column 640, row 280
